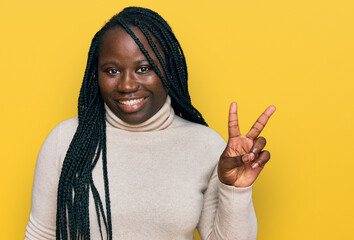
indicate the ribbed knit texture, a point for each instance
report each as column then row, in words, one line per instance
column 161, row 120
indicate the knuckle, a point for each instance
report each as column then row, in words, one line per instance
column 263, row 155
column 257, row 128
column 261, row 164
column 245, row 158
column 267, row 154
column 262, row 139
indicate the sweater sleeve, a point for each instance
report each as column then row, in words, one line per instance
column 227, row 212
column 42, row 219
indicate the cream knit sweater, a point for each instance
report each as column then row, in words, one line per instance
column 162, row 178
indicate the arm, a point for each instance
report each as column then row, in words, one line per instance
column 227, row 213
column 42, row 220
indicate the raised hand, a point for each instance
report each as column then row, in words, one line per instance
column 243, row 158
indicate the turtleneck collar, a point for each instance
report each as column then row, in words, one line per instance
column 161, row 120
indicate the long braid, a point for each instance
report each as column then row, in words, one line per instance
column 174, row 45
column 88, row 145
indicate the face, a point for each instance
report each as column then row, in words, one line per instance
column 128, row 84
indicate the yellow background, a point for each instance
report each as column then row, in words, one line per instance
column 297, row 55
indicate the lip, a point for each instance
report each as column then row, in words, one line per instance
column 131, row 105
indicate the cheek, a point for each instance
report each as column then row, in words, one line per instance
column 100, row 82
column 158, row 87
column 105, row 85
column 161, row 93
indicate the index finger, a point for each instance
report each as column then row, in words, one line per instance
column 260, row 123
column 234, row 129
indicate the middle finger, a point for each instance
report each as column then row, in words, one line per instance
column 260, row 123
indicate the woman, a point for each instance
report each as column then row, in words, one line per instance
column 139, row 161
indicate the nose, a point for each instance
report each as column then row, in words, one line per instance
column 127, row 83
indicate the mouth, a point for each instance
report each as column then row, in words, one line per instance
column 132, row 105
column 132, row 101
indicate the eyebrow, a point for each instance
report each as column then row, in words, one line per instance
column 116, row 62
column 142, row 61
column 107, row 63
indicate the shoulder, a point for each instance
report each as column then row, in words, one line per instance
column 199, row 137
column 65, row 129
column 199, row 144
column 58, row 140
column 195, row 129
column 52, row 153
column 67, row 126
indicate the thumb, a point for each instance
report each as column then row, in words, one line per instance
column 228, row 163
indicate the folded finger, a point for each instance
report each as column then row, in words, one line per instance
column 248, row 157
column 261, row 160
column 258, row 146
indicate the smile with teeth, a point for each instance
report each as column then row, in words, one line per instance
column 131, row 102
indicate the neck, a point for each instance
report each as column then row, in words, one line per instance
column 161, row 120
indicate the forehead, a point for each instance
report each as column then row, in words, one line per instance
column 118, row 38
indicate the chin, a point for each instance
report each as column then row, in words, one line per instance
column 133, row 118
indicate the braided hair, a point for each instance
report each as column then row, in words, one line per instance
column 89, row 142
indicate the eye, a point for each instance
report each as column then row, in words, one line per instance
column 112, row 71
column 143, row 69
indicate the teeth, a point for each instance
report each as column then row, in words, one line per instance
column 131, row 102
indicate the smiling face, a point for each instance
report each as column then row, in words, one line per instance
column 128, row 84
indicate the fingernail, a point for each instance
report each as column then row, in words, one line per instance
column 254, row 150
column 252, row 156
column 254, row 165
